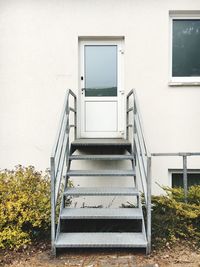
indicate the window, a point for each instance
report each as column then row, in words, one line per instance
column 185, row 51
column 177, row 179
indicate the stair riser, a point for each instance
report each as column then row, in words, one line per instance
column 105, row 149
column 104, row 226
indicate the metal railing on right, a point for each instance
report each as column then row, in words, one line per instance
column 184, row 156
column 141, row 153
column 143, row 158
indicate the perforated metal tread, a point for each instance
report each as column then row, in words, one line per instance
column 101, row 157
column 117, row 240
column 102, row 191
column 101, row 173
column 101, row 213
column 101, row 142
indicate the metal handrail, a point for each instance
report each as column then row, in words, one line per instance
column 142, row 156
column 181, row 154
column 60, row 156
column 184, row 156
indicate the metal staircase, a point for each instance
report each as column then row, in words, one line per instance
column 100, row 227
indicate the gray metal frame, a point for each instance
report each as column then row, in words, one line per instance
column 143, row 158
column 60, row 158
column 184, row 156
column 141, row 154
column 60, row 161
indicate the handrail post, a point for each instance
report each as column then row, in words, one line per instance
column 185, row 182
column 127, row 118
column 53, row 210
column 134, row 126
column 134, row 114
column 75, row 118
column 148, row 205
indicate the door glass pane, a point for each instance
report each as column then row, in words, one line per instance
column 186, row 48
column 100, row 70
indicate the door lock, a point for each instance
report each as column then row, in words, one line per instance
column 82, row 90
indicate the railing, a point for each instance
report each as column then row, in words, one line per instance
column 141, row 154
column 59, row 157
column 143, row 158
column 184, row 156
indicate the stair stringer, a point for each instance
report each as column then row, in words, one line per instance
column 58, row 233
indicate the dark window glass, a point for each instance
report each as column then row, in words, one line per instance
column 186, row 48
column 193, row 179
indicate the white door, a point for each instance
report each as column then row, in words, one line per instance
column 102, row 92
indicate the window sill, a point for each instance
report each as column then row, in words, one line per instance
column 184, row 83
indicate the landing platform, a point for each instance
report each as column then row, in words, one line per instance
column 101, row 142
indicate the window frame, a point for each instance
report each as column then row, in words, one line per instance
column 194, row 80
column 180, row 171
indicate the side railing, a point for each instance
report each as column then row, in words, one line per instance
column 135, row 133
column 143, row 159
column 184, row 156
column 60, row 155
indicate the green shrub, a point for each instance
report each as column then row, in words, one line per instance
column 24, row 206
column 173, row 219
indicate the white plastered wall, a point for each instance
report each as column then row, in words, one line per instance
column 39, row 60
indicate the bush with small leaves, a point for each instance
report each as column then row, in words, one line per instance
column 173, row 218
column 24, row 206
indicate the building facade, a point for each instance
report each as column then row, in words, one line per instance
column 49, row 46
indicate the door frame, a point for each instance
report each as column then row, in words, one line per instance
column 119, row 41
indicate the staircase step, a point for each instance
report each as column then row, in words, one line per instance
column 101, row 157
column 101, row 142
column 101, row 191
column 102, row 213
column 117, row 240
column 101, row 173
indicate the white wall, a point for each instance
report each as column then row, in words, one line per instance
column 39, row 60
